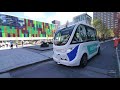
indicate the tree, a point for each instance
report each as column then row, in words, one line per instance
column 97, row 23
column 105, row 32
column 116, row 32
column 102, row 31
column 110, row 33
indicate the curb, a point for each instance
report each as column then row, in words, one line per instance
column 26, row 65
column 105, row 41
column 38, row 49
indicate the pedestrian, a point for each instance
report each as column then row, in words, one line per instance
column 6, row 44
column 22, row 43
column 11, row 44
column 16, row 44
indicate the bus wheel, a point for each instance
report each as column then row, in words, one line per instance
column 83, row 61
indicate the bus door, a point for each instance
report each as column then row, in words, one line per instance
column 79, row 39
column 91, row 41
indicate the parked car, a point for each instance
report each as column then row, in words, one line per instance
column 44, row 44
column 3, row 44
column 50, row 42
column 26, row 42
column 7, row 44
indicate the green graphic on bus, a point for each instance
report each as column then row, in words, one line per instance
column 92, row 48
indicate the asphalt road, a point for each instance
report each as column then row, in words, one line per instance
column 102, row 66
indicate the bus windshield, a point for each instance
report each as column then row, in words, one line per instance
column 62, row 36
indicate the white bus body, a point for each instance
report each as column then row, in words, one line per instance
column 75, row 45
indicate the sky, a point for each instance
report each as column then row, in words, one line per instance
column 47, row 17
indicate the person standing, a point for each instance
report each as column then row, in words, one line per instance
column 22, row 43
column 11, row 44
column 16, row 44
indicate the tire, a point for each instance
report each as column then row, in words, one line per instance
column 84, row 60
column 99, row 51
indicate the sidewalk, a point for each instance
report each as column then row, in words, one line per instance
column 14, row 58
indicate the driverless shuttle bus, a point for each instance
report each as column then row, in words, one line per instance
column 74, row 45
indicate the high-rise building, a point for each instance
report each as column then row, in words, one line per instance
column 83, row 17
column 109, row 19
column 15, row 28
column 118, row 28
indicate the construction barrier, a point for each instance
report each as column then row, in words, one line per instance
column 116, row 42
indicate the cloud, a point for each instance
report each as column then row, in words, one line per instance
column 34, row 15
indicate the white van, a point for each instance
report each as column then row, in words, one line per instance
column 75, row 45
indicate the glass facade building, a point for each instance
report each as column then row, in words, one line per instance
column 83, row 17
column 11, row 26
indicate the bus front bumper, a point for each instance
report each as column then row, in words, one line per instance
column 65, row 62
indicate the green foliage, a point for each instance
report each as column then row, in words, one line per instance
column 102, row 31
column 97, row 23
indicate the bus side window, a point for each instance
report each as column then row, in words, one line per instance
column 83, row 32
column 76, row 38
column 91, row 34
column 80, row 34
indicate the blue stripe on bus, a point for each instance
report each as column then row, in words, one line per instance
column 71, row 55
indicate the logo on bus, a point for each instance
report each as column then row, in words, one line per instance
column 92, row 48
